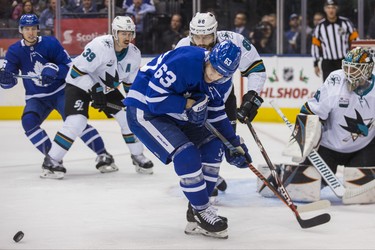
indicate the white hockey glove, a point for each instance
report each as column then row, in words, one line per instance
column 305, row 137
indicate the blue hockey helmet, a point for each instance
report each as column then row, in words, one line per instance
column 225, row 57
column 28, row 20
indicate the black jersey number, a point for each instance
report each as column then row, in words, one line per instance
column 89, row 55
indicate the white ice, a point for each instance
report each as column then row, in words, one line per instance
column 126, row 210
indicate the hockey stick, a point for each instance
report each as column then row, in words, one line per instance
column 28, row 77
column 304, row 223
column 324, row 170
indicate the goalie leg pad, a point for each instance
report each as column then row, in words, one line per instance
column 302, row 182
column 361, row 179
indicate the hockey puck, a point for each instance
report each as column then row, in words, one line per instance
column 18, row 236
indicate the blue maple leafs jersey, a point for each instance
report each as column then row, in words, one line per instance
column 30, row 60
column 163, row 85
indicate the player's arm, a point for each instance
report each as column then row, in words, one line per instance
column 61, row 58
column 252, row 67
column 9, row 69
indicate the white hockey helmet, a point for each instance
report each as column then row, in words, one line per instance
column 203, row 24
column 123, row 23
column 357, row 66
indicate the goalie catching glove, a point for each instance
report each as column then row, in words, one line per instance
column 251, row 101
column 305, row 137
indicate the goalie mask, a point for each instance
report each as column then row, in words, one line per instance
column 203, row 24
column 225, row 58
column 122, row 23
column 357, row 66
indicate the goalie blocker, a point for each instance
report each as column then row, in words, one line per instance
column 303, row 183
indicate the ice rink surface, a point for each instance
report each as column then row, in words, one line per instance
column 126, row 210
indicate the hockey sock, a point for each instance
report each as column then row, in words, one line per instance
column 188, row 166
column 38, row 136
column 211, row 173
column 40, row 139
column 134, row 145
column 93, row 140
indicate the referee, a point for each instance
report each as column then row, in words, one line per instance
column 331, row 39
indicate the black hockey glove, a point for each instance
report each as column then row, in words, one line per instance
column 99, row 100
column 7, row 79
column 251, row 101
column 241, row 159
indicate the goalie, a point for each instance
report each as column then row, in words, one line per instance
column 339, row 123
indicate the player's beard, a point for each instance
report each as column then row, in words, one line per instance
column 124, row 44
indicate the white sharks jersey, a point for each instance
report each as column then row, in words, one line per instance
column 99, row 63
column 348, row 117
column 251, row 65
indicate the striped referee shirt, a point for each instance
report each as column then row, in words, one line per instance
column 331, row 41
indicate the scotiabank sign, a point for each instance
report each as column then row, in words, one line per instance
column 76, row 33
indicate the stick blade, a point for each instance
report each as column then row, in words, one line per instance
column 315, row 221
column 317, row 205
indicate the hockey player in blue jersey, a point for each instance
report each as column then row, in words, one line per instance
column 203, row 33
column 44, row 57
column 167, row 106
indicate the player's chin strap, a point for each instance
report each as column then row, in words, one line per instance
column 284, row 196
column 324, row 170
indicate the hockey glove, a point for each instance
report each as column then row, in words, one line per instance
column 251, row 101
column 7, row 79
column 99, row 100
column 49, row 74
column 197, row 114
column 240, row 159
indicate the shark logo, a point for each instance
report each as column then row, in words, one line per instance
column 111, row 81
column 334, row 79
column 356, row 127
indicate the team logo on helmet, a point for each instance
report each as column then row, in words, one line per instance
column 225, row 58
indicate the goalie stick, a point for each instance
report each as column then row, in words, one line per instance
column 284, row 197
column 324, row 170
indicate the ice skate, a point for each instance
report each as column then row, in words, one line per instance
column 221, row 184
column 106, row 163
column 193, row 227
column 52, row 169
column 142, row 164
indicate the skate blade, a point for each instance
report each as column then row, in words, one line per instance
column 108, row 168
column 192, row 228
column 143, row 170
column 46, row 174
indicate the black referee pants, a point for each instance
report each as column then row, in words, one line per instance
column 330, row 65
